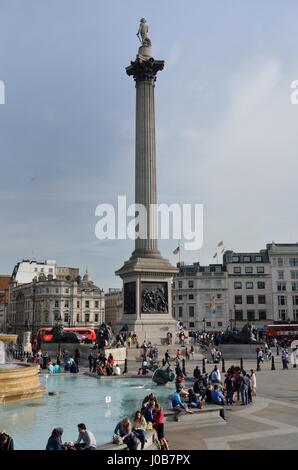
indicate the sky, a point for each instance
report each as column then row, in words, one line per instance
column 225, row 127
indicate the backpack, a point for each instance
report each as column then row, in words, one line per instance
column 131, row 441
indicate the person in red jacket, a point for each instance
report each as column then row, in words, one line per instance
column 159, row 426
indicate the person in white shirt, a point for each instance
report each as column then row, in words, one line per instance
column 253, row 381
column 117, row 370
column 213, row 353
column 89, row 442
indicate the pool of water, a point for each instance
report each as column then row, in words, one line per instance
column 78, row 399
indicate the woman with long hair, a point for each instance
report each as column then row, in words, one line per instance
column 159, row 426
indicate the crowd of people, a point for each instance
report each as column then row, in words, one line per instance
column 101, row 365
column 149, row 417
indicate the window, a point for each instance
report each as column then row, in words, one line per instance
column 246, row 259
column 78, row 304
column 191, row 324
column 96, row 318
column 218, row 269
column 282, row 300
column 78, row 318
column 96, row 304
column 295, row 299
column 218, row 296
column 87, row 317
column 293, row 261
column 250, row 299
column 261, row 285
column 87, row 304
column 180, row 297
column 250, row 315
column 237, row 270
column 56, row 303
column 190, row 284
column 56, row 316
column 282, row 314
column 66, row 317
column 180, row 312
column 35, row 270
column 50, row 270
column 208, row 323
column 219, row 323
column 237, row 285
column 66, row 291
column 46, row 317
column 280, row 274
column 191, row 311
column 238, row 299
column 280, row 261
column 41, row 270
column 262, row 315
column 294, row 274
column 258, row 259
column 248, row 269
column 295, row 314
column 249, row 285
column 235, row 259
column 47, row 290
column 190, row 297
column 238, row 315
column 260, row 269
column 173, row 285
column 57, row 290
column 262, row 299
column 66, row 304
column 295, row 286
column 180, row 284
column 281, row 286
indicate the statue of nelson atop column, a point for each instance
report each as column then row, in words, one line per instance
column 142, row 33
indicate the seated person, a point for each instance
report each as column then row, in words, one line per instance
column 207, row 395
column 50, row 368
column 139, row 428
column 123, row 434
column 182, row 391
column 57, row 369
column 6, row 441
column 100, row 369
column 217, row 396
column 148, row 411
column 193, row 401
column 89, row 442
column 178, row 405
column 55, row 441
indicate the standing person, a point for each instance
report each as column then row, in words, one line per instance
column 55, row 441
column 167, row 357
column 197, row 373
column 94, row 364
column 215, row 375
column 77, row 356
column 229, row 384
column 192, row 352
column 187, row 355
column 87, row 438
column 284, row 359
column 139, row 428
column 159, row 426
column 253, row 381
column 90, row 360
column 213, row 353
column 6, row 441
column 244, row 388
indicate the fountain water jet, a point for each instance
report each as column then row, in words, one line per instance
column 18, row 381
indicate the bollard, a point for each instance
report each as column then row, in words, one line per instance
column 223, row 369
column 163, row 362
column 277, row 350
column 258, row 364
column 272, row 363
column 125, row 367
column 241, row 364
column 204, row 366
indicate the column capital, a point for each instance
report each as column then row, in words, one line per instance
column 145, row 70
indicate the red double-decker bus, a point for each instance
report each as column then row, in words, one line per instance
column 87, row 335
column 283, row 332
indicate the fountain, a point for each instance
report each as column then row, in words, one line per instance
column 18, row 381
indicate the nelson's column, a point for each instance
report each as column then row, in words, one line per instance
column 147, row 277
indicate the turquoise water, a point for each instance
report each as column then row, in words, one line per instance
column 80, row 399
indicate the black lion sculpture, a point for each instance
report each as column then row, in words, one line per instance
column 61, row 336
column 104, row 336
column 245, row 336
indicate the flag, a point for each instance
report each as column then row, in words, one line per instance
column 212, row 305
column 220, row 243
column 176, row 251
column 215, row 255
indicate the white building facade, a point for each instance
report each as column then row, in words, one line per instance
column 25, row 271
column 200, row 297
column 45, row 302
column 284, row 265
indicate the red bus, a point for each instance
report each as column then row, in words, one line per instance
column 88, row 335
column 281, row 332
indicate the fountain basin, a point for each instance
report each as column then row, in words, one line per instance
column 19, row 382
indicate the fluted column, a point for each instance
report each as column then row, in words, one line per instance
column 144, row 73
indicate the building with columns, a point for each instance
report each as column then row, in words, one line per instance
column 249, row 287
column 44, row 302
column 200, row 297
column 284, row 268
column 4, row 295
